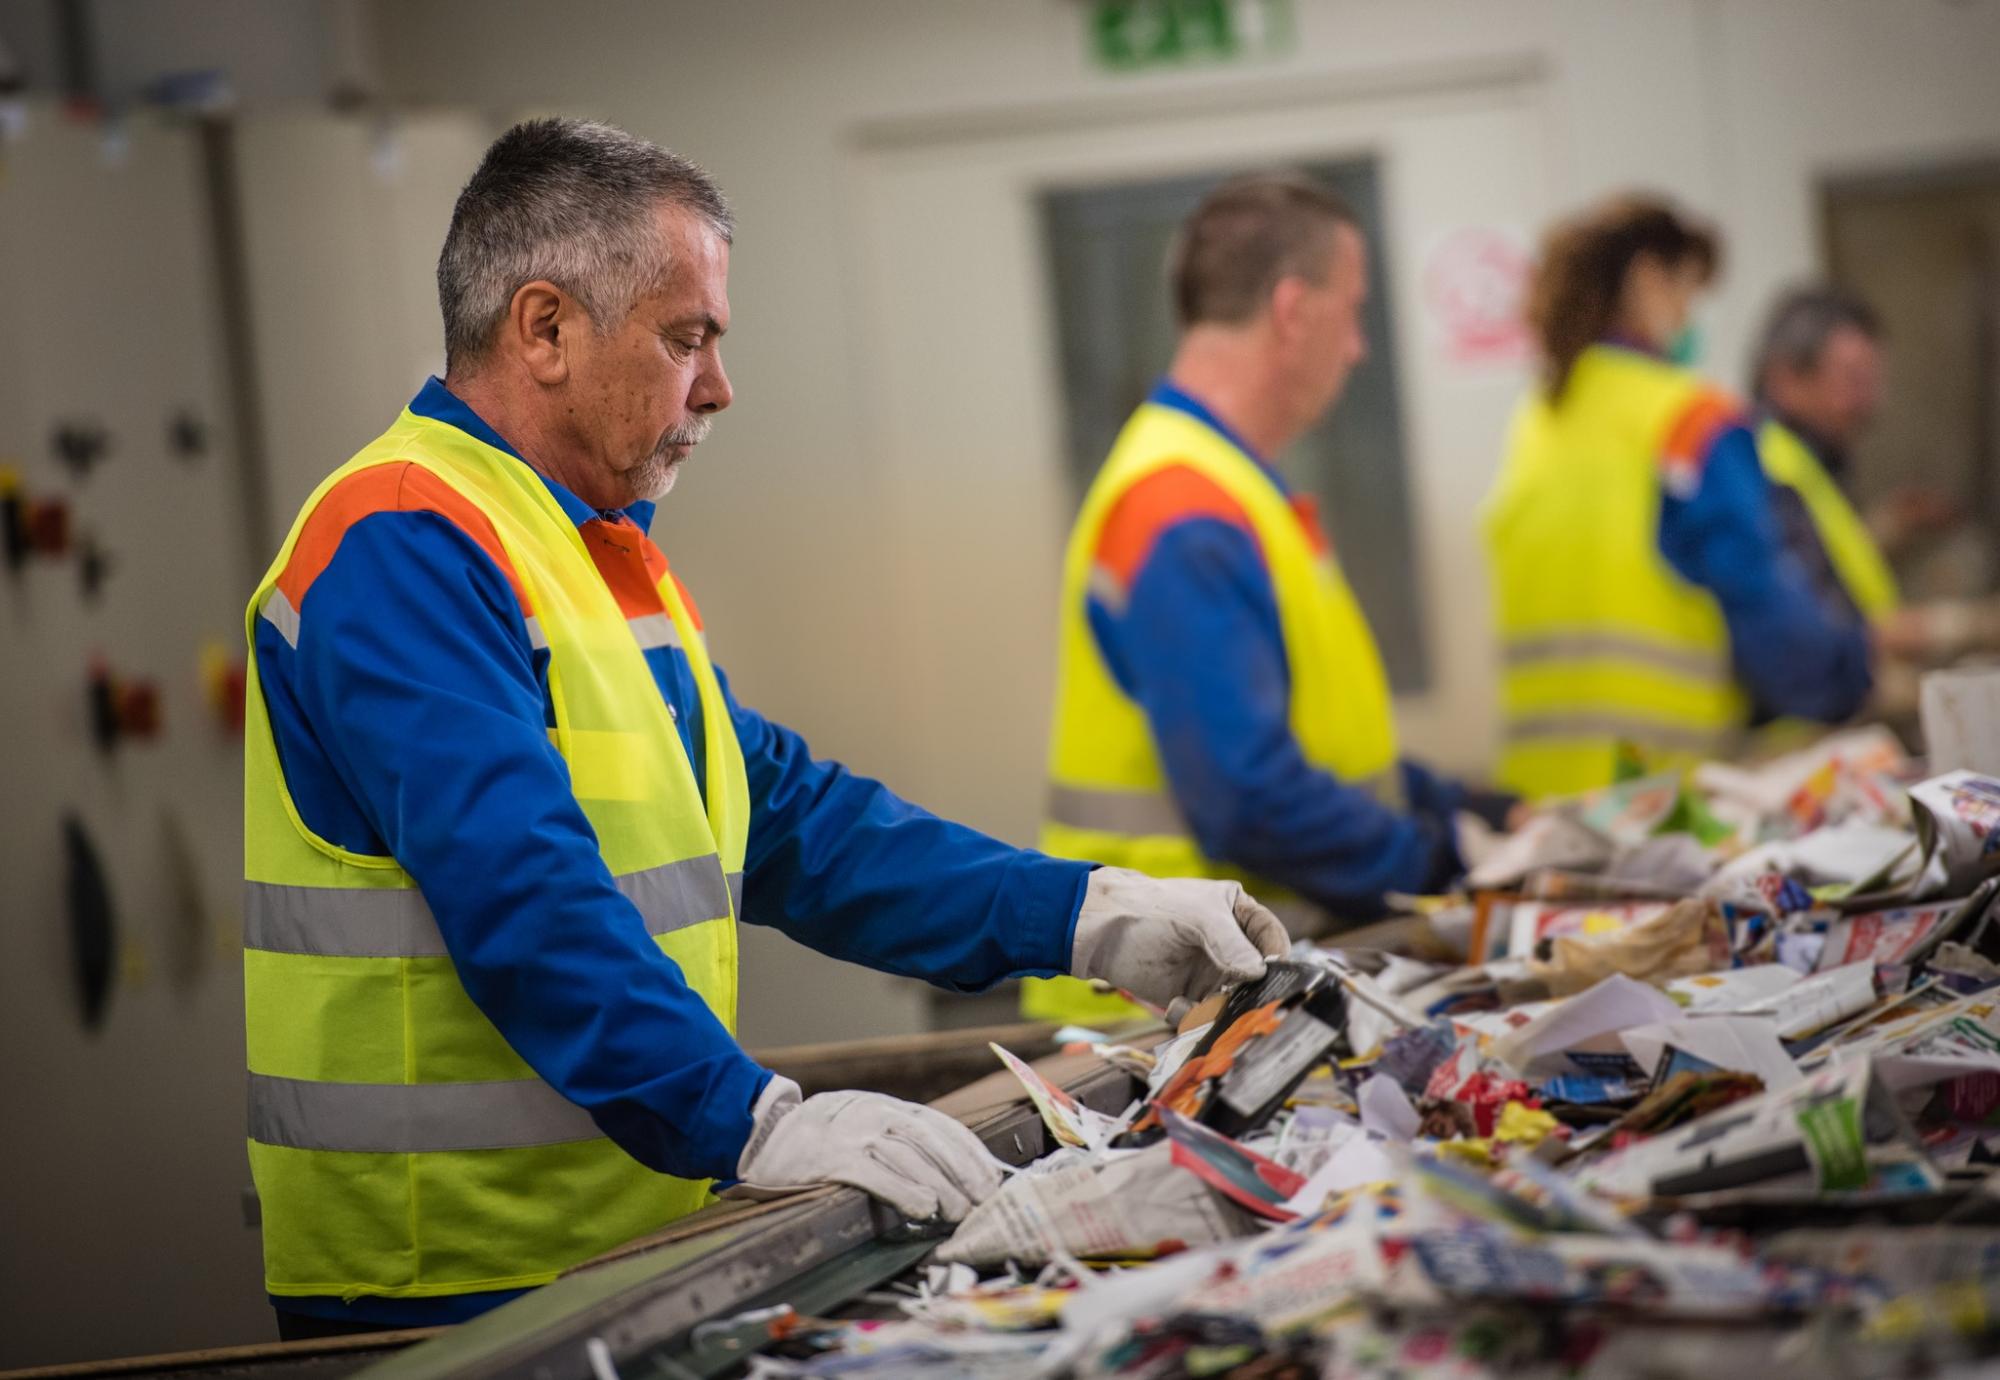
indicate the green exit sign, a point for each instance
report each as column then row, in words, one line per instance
column 1130, row 35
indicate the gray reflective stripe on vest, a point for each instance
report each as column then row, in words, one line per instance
column 410, row 1118
column 679, row 894
column 346, row 922
column 1116, row 812
column 279, row 613
column 1155, row 812
column 736, row 894
column 1644, row 732
column 1592, row 646
column 1107, row 589
column 654, row 630
column 649, row 631
column 1386, row 787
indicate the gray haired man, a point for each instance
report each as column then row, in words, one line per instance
column 503, row 813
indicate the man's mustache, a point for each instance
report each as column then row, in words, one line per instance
column 691, row 432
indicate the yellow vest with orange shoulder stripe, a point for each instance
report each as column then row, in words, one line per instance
column 1109, row 800
column 1850, row 547
column 400, row 1146
column 1607, row 652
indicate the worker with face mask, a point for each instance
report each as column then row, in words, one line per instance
column 1648, row 609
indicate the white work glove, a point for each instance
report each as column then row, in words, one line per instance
column 914, row 1158
column 1164, row 939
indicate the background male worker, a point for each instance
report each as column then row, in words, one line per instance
column 1817, row 380
column 503, row 813
column 1221, row 709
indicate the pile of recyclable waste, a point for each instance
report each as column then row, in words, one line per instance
column 1699, row 1077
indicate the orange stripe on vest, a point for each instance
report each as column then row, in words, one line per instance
column 1163, row 498
column 394, row 488
column 1707, row 415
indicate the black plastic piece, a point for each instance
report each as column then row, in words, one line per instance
column 1283, row 977
column 1267, row 1070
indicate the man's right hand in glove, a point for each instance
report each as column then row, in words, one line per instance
column 918, row 1160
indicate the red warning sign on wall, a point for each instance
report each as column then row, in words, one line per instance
column 1475, row 284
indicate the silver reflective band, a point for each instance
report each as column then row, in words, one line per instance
column 1644, row 732
column 280, row 614
column 1385, row 786
column 1154, row 812
column 1107, row 589
column 395, row 922
column 679, row 894
column 736, row 894
column 1116, row 812
column 411, row 1118
column 537, row 639
column 654, row 630
column 1592, row 646
column 339, row 922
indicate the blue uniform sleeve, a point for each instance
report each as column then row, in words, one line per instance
column 844, row 866
column 1794, row 652
column 414, row 678
column 1199, row 646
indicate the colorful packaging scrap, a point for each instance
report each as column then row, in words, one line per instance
column 1750, row 1128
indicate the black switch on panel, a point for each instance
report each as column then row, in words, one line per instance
column 13, row 520
column 93, row 925
column 80, row 445
column 93, row 564
column 120, row 707
column 186, row 436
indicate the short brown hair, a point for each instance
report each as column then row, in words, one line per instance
column 1245, row 236
column 1574, row 297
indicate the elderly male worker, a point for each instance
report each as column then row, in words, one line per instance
column 1221, row 709
column 503, row 812
column 1818, row 384
column 1818, row 378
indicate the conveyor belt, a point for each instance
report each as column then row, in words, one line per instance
column 646, row 1300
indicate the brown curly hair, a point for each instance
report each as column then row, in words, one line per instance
column 1573, row 299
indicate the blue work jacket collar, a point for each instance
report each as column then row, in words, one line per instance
column 1166, row 393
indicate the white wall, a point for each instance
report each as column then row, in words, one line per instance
column 121, row 1148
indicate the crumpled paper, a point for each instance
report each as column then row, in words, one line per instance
column 1688, row 938
column 1136, row 1203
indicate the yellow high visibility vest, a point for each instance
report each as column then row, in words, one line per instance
column 1109, row 800
column 1605, row 647
column 400, row 1147
column 1850, row 547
